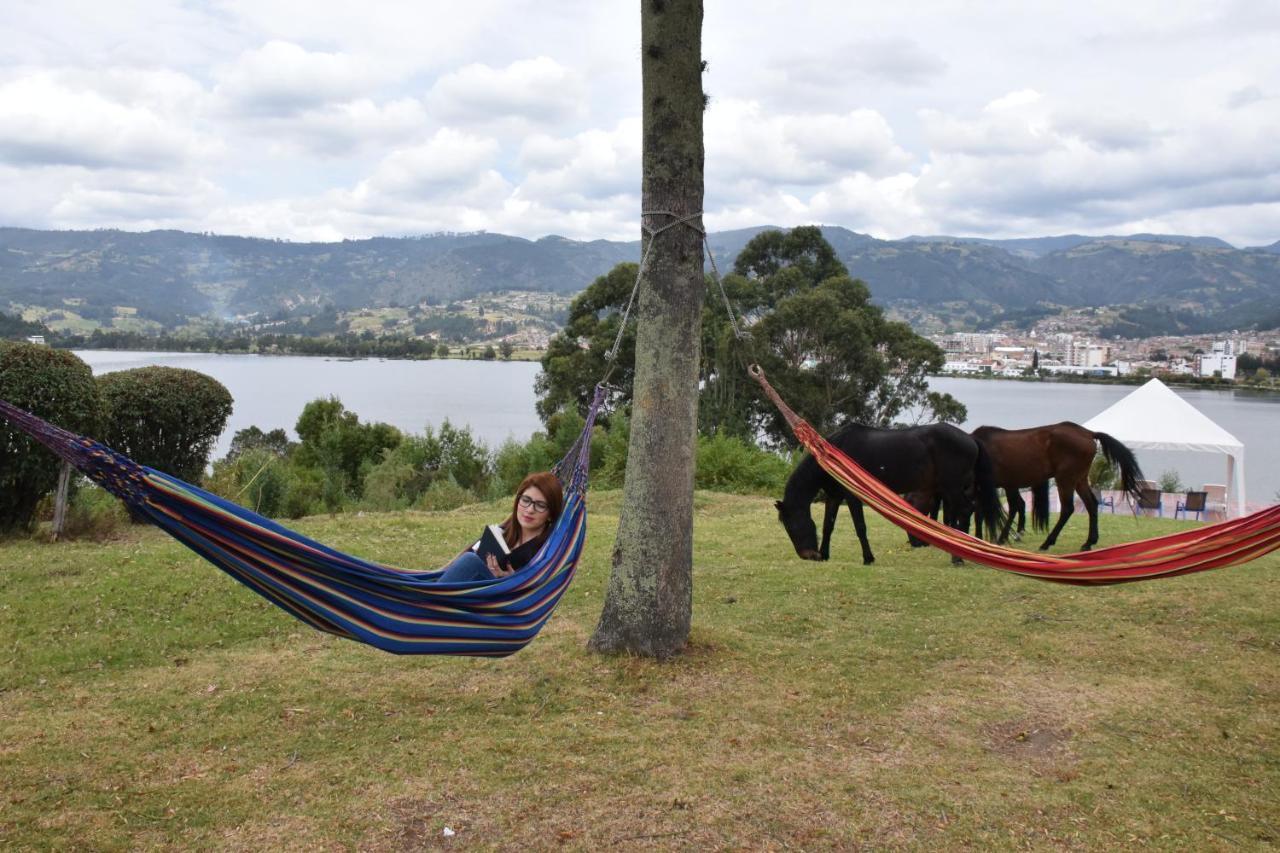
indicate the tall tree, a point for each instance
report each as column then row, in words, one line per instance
column 828, row 350
column 649, row 604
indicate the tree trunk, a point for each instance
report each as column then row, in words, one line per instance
column 649, row 604
column 60, row 500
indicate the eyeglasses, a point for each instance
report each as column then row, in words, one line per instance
column 529, row 503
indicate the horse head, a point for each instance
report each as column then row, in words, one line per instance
column 800, row 527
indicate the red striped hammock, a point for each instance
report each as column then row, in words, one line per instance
column 1211, row 546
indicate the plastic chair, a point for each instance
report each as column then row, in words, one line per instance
column 1193, row 502
column 1104, row 500
column 1149, row 499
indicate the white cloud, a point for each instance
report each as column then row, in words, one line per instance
column 540, row 91
column 1022, row 163
column 150, row 201
column 45, row 121
column 592, row 165
column 281, row 79
column 450, row 162
column 400, row 116
column 341, row 129
column 746, row 144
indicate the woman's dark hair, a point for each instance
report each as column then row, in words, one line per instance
column 549, row 485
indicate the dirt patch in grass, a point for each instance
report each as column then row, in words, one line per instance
column 1027, row 739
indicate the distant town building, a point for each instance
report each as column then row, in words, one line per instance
column 1080, row 370
column 1220, row 362
column 961, row 367
column 964, row 343
column 1086, row 354
column 36, row 339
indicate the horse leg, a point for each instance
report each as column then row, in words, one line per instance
column 1066, row 497
column 1016, row 506
column 1091, row 507
column 860, row 525
column 829, row 523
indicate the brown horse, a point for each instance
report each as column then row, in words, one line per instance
column 1064, row 453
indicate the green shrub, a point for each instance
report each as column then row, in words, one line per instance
column 165, row 418
column 1171, row 481
column 335, row 443
column 729, row 464
column 304, row 492
column 611, row 468
column 58, row 387
column 1104, row 474
column 461, row 456
column 252, row 438
column 255, row 479
column 514, row 461
column 444, row 495
column 94, row 514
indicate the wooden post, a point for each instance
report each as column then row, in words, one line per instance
column 60, row 500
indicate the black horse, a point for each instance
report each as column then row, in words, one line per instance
column 938, row 463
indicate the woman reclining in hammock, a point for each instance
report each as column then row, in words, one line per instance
column 538, row 503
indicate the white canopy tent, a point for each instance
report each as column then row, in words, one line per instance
column 1155, row 418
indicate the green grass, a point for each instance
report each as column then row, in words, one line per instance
column 146, row 700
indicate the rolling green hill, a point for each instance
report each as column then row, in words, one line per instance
column 163, row 279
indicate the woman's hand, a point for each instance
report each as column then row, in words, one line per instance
column 497, row 569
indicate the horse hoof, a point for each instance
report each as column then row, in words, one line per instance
column 956, row 561
column 1046, row 546
column 1088, row 546
column 869, row 561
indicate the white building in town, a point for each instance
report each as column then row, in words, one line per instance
column 1221, row 361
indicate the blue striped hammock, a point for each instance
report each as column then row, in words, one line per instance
column 396, row 610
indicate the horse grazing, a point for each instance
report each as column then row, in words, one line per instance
column 937, row 463
column 1063, row 452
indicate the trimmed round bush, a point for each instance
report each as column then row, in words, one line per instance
column 165, row 418
column 58, row 387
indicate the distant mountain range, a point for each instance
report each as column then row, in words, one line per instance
column 1193, row 283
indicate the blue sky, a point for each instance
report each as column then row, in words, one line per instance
column 331, row 120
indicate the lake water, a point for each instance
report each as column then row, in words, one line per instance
column 496, row 400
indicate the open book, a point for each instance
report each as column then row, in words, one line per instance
column 492, row 541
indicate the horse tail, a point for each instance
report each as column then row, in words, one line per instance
column 1118, row 454
column 990, row 512
column 1040, row 506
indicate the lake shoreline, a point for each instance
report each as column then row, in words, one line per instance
column 536, row 356
column 496, row 400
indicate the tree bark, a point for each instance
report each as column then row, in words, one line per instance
column 649, row 604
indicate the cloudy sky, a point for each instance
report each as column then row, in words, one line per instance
column 327, row 120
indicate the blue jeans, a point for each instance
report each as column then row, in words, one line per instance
column 467, row 566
